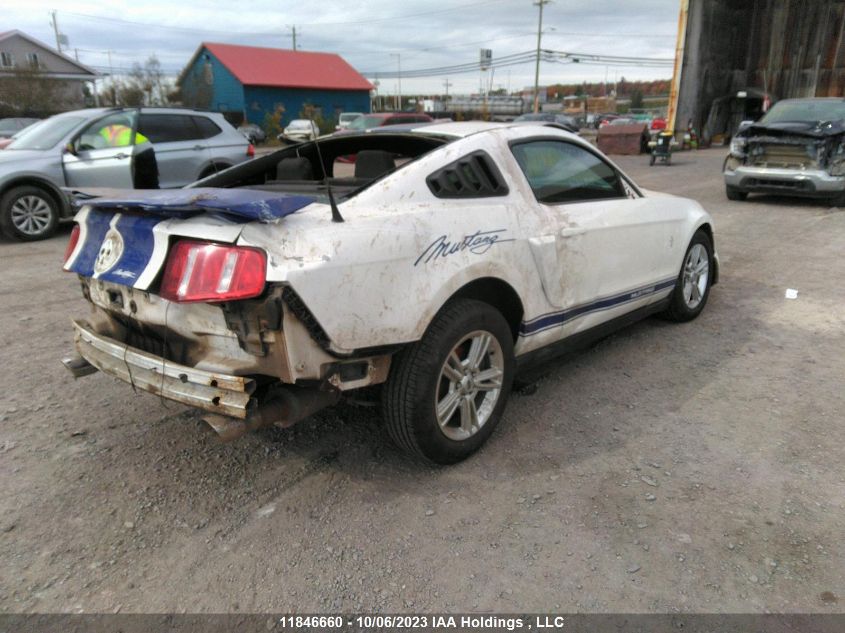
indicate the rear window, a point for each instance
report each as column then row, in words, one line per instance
column 168, row 128
column 208, row 128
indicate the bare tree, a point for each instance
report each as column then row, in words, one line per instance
column 143, row 86
column 31, row 91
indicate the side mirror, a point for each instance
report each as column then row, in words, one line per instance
column 745, row 125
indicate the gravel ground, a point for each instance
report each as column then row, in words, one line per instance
column 694, row 467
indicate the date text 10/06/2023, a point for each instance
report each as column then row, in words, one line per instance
column 540, row 622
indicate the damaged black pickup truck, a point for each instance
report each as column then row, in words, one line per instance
column 797, row 148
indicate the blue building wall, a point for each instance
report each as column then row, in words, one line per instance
column 263, row 100
column 224, row 94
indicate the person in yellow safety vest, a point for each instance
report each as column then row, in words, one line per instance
column 119, row 135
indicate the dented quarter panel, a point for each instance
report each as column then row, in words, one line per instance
column 554, row 257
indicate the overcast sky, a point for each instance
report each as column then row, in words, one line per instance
column 425, row 34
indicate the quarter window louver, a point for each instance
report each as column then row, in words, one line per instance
column 472, row 176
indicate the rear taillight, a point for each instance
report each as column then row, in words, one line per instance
column 71, row 245
column 201, row 271
column 250, row 150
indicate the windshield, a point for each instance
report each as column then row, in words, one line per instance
column 300, row 124
column 366, row 122
column 809, row 111
column 46, row 134
column 349, row 116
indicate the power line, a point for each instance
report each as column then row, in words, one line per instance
column 524, row 57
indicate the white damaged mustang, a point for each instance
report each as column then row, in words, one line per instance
column 434, row 266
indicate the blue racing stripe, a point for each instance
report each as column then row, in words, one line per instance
column 96, row 225
column 555, row 319
column 138, row 243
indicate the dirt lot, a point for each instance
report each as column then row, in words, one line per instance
column 696, row 467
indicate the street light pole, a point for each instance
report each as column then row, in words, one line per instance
column 539, row 3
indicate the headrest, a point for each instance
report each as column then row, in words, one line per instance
column 372, row 163
column 294, row 169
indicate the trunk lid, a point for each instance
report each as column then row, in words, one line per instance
column 125, row 235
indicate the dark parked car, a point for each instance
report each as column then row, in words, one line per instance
column 604, row 119
column 549, row 117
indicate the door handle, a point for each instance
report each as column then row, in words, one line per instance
column 198, row 147
column 121, row 156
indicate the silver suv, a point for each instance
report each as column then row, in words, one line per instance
column 141, row 148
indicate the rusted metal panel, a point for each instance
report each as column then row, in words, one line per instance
column 621, row 139
column 788, row 48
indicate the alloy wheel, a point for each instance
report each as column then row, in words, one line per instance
column 696, row 275
column 469, row 385
column 31, row 214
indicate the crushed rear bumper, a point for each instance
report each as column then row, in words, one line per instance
column 210, row 391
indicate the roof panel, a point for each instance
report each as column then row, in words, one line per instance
column 255, row 66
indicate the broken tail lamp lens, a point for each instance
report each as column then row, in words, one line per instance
column 71, row 244
column 204, row 271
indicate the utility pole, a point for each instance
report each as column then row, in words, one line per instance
column 399, row 78
column 538, row 3
column 447, row 83
column 55, row 24
column 293, row 35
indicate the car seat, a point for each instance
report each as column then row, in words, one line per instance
column 294, row 168
column 373, row 163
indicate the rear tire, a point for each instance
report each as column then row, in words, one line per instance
column 446, row 392
column 28, row 213
column 694, row 281
column 735, row 194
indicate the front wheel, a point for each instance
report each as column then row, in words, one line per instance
column 693, row 286
column 447, row 391
column 28, row 213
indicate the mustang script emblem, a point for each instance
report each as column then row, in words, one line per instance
column 110, row 251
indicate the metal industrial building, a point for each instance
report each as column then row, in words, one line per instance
column 782, row 48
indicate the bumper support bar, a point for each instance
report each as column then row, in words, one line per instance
column 210, row 391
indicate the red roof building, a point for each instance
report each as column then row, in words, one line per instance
column 250, row 82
